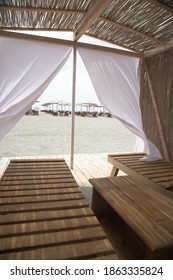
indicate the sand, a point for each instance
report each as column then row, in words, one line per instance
column 46, row 135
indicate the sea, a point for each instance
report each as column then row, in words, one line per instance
column 48, row 135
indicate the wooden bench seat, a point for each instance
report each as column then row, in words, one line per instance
column 158, row 172
column 44, row 215
column 146, row 211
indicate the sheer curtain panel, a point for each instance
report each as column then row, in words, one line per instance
column 116, row 80
column 26, row 69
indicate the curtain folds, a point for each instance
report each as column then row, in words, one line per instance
column 116, row 80
column 26, row 69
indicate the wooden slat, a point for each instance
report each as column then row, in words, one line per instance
column 156, row 174
column 39, row 192
column 85, row 250
column 48, row 226
column 37, row 165
column 166, row 184
column 37, row 160
column 163, row 178
column 34, row 171
column 42, row 206
column 58, row 183
column 37, row 176
column 139, row 155
column 149, row 168
column 36, row 241
column 38, row 181
column 142, row 164
column 27, row 217
column 157, row 169
column 39, row 199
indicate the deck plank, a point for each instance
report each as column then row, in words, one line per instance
column 100, row 249
column 28, row 217
column 43, row 240
column 48, row 226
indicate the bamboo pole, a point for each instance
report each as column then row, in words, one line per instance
column 73, row 110
column 159, row 123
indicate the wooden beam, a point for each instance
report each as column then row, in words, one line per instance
column 39, row 9
column 37, row 38
column 34, row 29
column 66, row 42
column 156, row 110
column 93, row 13
column 114, row 43
column 132, row 30
column 161, row 5
column 107, row 49
column 160, row 49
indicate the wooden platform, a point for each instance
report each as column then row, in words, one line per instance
column 44, row 215
column 144, row 209
column 157, row 173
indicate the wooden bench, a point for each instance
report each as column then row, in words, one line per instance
column 44, row 215
column 158, row 172
column 144, row 212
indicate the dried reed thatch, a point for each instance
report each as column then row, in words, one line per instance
column 160, row 69
column 138, row 25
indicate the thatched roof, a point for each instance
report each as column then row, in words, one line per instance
column 139, row 25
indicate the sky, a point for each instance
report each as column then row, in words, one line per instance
column 61, row 86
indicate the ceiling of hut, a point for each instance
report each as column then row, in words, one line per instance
column 139, row 25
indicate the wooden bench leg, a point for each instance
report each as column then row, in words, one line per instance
column 98, row 204
column 114, row 171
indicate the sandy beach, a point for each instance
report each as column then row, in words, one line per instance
column 47, row 135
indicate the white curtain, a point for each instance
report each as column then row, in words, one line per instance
column 26, row 69
column 116, row 80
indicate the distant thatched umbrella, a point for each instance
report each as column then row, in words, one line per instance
column 89, row 105
column 61, row 103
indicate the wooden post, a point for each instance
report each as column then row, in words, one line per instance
column 142, row 68
column 73, row 109
column 159, row 123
